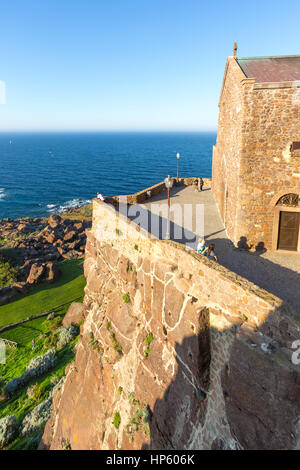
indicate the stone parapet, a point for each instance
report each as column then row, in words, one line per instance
column 142, row 196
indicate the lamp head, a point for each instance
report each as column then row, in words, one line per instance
column 178, row 156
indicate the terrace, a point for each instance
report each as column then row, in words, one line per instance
column 278, row 273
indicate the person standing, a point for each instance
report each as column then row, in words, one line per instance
column 99, row 196
column 201, row 184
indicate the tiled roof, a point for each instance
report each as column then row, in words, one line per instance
column 271, row 69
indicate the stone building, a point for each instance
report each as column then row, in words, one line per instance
column 256, row 161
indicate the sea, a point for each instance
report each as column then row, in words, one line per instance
column 46, row 173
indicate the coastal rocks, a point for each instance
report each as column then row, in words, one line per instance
column 36, row 273
column 40, row 240
column 38, row 244
column 49, row 272
column 23, row 228
column 52, row 272
column 54, row 221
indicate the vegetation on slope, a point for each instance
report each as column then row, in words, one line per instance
column 8, row 274
column 53, row 298
column 44, row 298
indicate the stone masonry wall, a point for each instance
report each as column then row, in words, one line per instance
column 176, row 352
column 226, row 156
column 268, row 168
column 252, row 159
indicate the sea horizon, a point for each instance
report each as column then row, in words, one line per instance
column 46, row 172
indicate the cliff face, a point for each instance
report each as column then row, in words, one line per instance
column 176, row 352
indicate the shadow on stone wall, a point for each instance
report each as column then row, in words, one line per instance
column 183, row 406
column 275, row 278
column 249, row 400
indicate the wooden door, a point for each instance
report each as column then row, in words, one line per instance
column 289, row 223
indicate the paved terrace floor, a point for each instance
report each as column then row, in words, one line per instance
column 278, row 273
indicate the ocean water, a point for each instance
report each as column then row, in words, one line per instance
column 44, row 173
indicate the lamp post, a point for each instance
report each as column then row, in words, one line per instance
column 178, row 157
column 169, row 185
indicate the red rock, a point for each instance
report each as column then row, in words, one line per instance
column 54, row 221
column 69, row 236
column 52, row 272
column 75, row 314
column 36, row 273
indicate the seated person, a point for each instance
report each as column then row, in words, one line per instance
column 210, row 252
column 201, row 246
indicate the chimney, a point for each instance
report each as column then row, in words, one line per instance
column 235, row 48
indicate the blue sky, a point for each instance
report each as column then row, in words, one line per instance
column 130, row 64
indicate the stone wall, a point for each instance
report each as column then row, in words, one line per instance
column 226, row 154
column 253, row 165
column 176, row 352
column 142, row 196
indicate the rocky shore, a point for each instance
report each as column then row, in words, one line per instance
column 36, row 245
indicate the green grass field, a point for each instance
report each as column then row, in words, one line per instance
column 45, row 298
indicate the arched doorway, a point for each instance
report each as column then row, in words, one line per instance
column 287, row 223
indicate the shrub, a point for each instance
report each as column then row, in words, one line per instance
column 41, row 364
column 117, row 420
column 54, row 380
column 51, row 341
column 140, row 420
column 147, row 352
column 38, row 366
column 149, row 339
column 9, row 427
column 8, row 274
column 126, row 299
column 116, row 344
column 37, row 417
column 38, row 392
column 13, row 386
column 30, row 390
column 66, row 335
column 53, row 323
